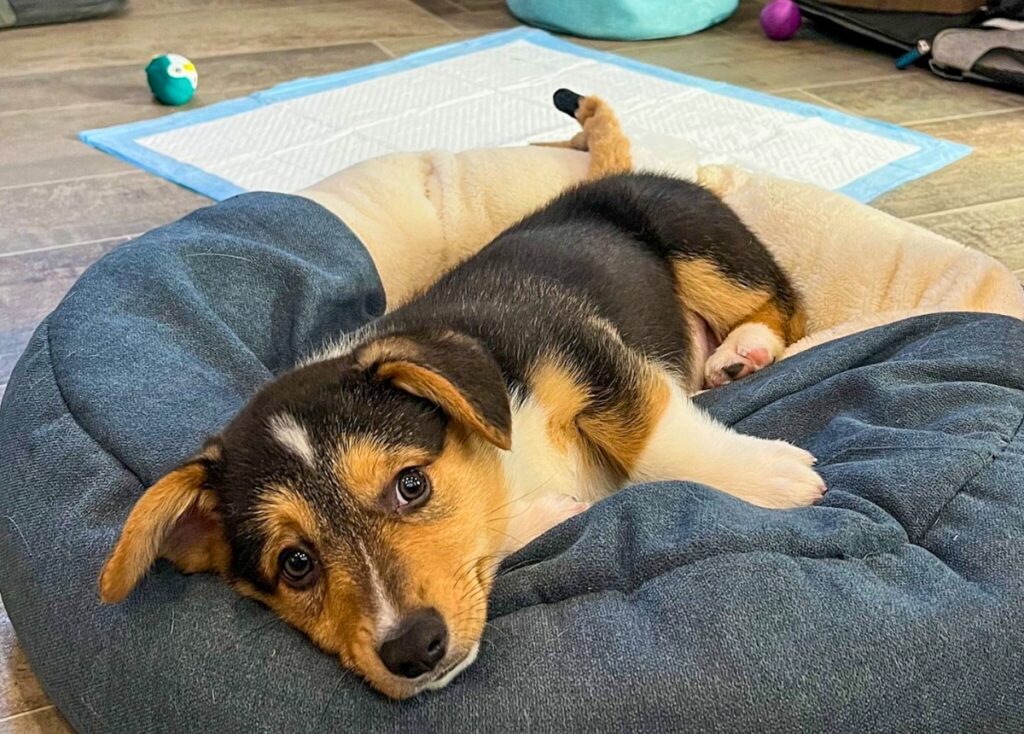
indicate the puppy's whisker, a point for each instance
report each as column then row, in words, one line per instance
column 519, row 497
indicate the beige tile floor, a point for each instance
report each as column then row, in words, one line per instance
column 64, row 204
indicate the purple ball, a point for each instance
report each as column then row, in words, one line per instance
column 780, row 19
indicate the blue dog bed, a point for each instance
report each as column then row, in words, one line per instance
column 896, row 605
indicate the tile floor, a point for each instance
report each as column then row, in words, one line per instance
column 62, row 204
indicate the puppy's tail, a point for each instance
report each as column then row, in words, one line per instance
column 601, row 135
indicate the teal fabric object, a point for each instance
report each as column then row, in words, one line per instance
column 172, row 78
column 623, row 20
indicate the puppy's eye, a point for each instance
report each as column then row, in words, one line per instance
column 412, row 488
column 298, row 568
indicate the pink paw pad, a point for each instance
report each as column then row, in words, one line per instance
column 753, row 360
column 759, row 357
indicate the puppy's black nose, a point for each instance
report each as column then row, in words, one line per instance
column 418, row 646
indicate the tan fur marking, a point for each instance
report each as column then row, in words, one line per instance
column 563, row 398
column 388, row 348
column 365, row 467
column 285, row 518
column 622, row 430
column 789, row 330
column 722, row 303
column 447, row 561
column 467, row 484
column 602, row 136
column 608, row 145
column 148, row 533
column 425, row 383
column 333, row 603
column 329, row 613
column 725, row 304
column 209, row 552
column 395, row 359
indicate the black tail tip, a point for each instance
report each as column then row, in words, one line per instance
column 567, row 101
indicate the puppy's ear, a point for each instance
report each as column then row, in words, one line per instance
column 176, row 519
column 453, row 371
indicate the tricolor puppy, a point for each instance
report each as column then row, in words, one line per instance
column 368, row 495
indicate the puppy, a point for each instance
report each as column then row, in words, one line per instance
column 368, row 495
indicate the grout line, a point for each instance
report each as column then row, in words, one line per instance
column 644, row 45
column 958, row 209
column 246, row 50
column 452, row 28
column 965, row 116
column 418, row 9
column 823, row 101
column 180, row 11
column 384, row 49
column 829, row 85
column 134, row 97
column 56, row 108
column 26, row 713
column 48, row 248
column 110, row 174
column 232, row 90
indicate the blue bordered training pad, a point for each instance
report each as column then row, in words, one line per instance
column 494, row 91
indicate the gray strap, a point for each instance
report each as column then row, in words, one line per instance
column 961, row 49
column 7, row 16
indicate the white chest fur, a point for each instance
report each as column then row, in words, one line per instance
column 543, row 476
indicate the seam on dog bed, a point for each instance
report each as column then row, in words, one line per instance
column 996, row 454
column 67, row 408
column 628, row 590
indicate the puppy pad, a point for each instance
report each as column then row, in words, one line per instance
column 496, row 91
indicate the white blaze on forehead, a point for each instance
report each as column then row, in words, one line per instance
column 293, row 436
column 387, row 615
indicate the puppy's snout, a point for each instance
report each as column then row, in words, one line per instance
column 419, row 645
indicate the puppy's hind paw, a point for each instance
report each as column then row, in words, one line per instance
column 746, row 349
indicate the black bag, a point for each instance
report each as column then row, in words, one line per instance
column 962, row 42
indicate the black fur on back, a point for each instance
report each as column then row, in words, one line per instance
column 602, row 249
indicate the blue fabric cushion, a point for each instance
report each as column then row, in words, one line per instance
column 623, row 20
column 896, row 605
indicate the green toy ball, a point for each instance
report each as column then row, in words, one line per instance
column 172, row 78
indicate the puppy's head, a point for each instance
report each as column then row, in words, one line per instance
column 358, row 497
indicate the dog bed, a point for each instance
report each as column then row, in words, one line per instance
column 623, row 20
column 893, row 606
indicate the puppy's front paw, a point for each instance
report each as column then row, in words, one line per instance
column 745, row 350
column 785, row 476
